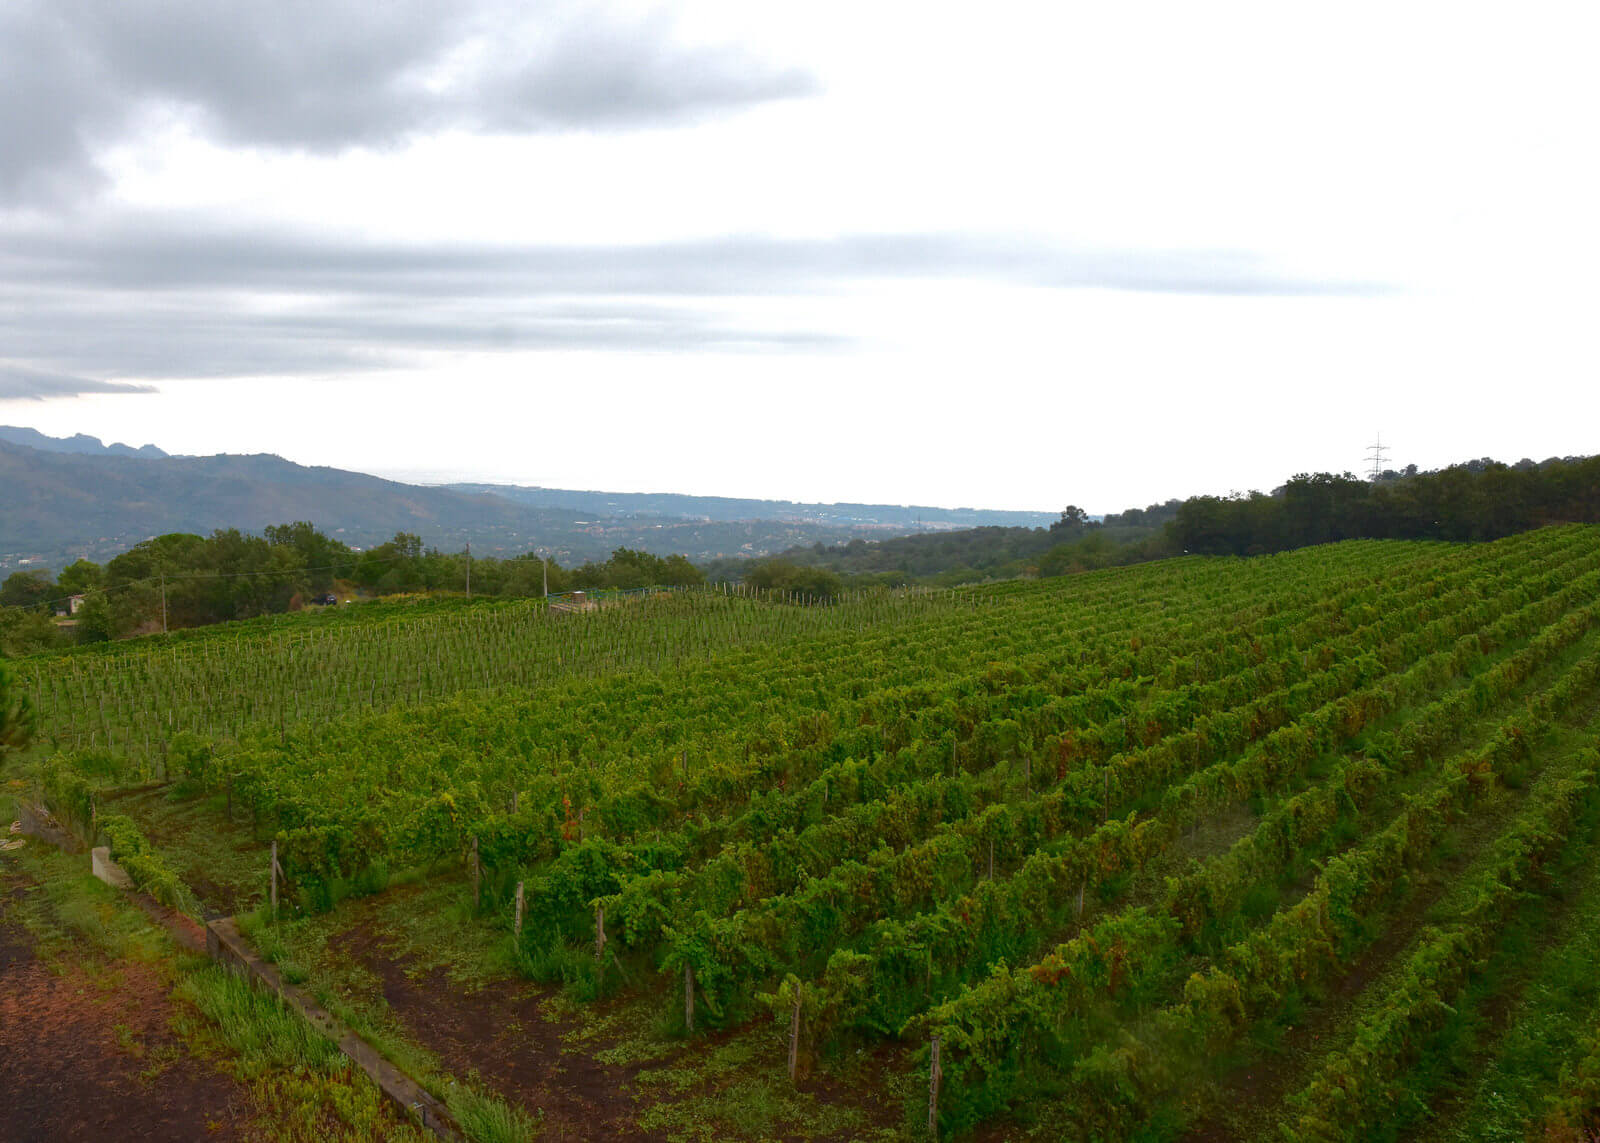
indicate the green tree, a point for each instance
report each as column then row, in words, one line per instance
column 97, row 620
column 16, row 716
column 785, row 575
column 24, row 630
column 27, row 589
column 324, row 558
column 1073, row 521
column 80, row 577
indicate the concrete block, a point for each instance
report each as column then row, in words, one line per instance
column 107, row 870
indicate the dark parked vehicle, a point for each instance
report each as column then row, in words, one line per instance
column 328, row 600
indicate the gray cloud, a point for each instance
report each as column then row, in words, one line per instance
column 149, row 297
column 23, row 382
column 150, row 254
column 326, row 75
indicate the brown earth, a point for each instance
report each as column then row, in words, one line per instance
column 86, row 1052
column 501, row 1033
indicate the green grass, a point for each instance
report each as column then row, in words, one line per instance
column 302, row 1088
column 265, row 1032
column 488, row 1119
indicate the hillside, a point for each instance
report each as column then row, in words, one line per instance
column 59, row 500
column 895, row 517
column 61, row 505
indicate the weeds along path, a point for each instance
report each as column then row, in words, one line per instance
column 108, row 1030
column 87, row 1049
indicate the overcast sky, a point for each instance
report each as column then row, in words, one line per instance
column 1001, row 255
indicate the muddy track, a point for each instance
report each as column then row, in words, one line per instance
column 502, row 1034
column 88, row 1052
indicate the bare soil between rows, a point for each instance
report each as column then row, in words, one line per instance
column 501, row 1034
column 91, row 1054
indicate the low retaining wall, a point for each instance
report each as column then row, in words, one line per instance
column 107, row 870
column 228, row 946
column 37, row 822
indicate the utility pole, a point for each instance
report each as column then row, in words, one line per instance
column 1379, row 455
column 469, row 569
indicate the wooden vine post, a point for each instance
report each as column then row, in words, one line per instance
column 794, row 1038
column 688, row 998
column 518, row 922
column 274, row 879
column 935, row 1074
column 477, row 875
column 599, row 932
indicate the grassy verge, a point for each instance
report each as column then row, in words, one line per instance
column 301, row 1089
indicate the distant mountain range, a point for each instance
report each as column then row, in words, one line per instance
column 79, row 444
column 667, row 505
column 78, row 497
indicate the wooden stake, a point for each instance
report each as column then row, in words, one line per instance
column 935, row 1074
column 599, row 931
column 688, row 999
column 794, row 1038
column 274, row 879
column 477, row 878
column 519, row 909
column 1082, row 885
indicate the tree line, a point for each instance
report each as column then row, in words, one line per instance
column 1479, row 500
column 184, row 580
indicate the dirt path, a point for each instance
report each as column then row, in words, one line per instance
column 89, row 1054
column 502, row 1034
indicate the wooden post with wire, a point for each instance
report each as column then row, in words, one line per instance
column 477, row 877
column 688, row 999
column 935, row 1074
column 794, row 1038
column 275, row 872
column 518, row 922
